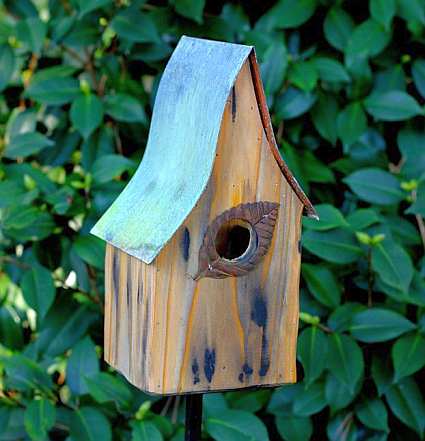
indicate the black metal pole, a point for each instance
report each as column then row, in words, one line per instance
column 193, row 417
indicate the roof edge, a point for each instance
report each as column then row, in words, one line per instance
column 266, row 120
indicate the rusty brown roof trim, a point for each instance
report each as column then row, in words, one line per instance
column 265, row 117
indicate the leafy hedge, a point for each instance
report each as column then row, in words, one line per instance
column 347, row 91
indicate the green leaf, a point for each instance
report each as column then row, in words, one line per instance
column 322, row 284
column 50, row 73
column 329, row 218
column 11, row 334
column 345, row 359
column 314, row 170
column 403, row 231
column 394, row 105
column 19, row 218
column 352, row 123
column 367, row 40
column 410, row 143
column 252, row 401
column 89, row 424
column 273, row 67
column 104, row 387
column 338, row 245
column 392, row 78
column 86, row 114
column 293, row 428
column 86, row 6
column 373, row 413
column 62, row 199
column 91, row 249
column 53, row 91
column 383, row 11
column 408, row 355
column 236, row 425
column 40, row 417
column 12, row 424
column 381, row 374
column 108, row 167
column 38, row 289
column 26, row 144
column 418, row 73
column 192, row 9
column 7, row 62
column 123, row 107
column 331, row 70
column 214, row 404
column 145, row 431
column 324, row 115
column 288, row 14
column 338, row 27
column 340, row 319
column 32, row 32
column 407, row 403
column 411, row 10
column 363, row 218
column 418, row 206
column 378, row 324
column 134, row 26
column 63, row 326
column 310, row 400
column 375, row 186
column 312, row 352
column 27, row 223
column 303, row 75
column 337, row 394
column 337, row 425
column 393, row 265
column 282, row 399
column 293, row 103
column 25, row 374
column 82, row 364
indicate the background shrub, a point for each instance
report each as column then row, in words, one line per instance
column 346, row 86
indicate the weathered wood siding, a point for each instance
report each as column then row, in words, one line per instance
column 170, row 334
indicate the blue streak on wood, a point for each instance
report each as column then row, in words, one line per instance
column 234, row 104
column 246, row 372
column 115, row 278
column 247, row 369
column 180, row 151
column 209, row 364
column 259, row 311
column 259, row 317
column 265, row 358
column 195, row 371
column 185, row 244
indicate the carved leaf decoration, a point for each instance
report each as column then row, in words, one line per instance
column 261, row 218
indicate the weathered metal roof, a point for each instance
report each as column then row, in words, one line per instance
column 180, row 151
column 181, row 148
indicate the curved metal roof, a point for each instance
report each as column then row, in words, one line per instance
column 181, row 148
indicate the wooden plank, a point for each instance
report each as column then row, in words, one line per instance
column 214, row 334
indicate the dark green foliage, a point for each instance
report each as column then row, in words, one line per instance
column 345, row 82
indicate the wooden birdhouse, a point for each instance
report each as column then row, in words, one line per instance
column 203, row 255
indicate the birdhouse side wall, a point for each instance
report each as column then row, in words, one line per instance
column 168, row 333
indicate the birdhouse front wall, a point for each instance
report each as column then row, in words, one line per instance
column 170, row 332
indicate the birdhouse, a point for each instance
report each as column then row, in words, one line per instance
column 203, row 245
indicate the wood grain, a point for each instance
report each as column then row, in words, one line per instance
column 168, row 333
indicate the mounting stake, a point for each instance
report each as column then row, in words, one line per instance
column 193, row 417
